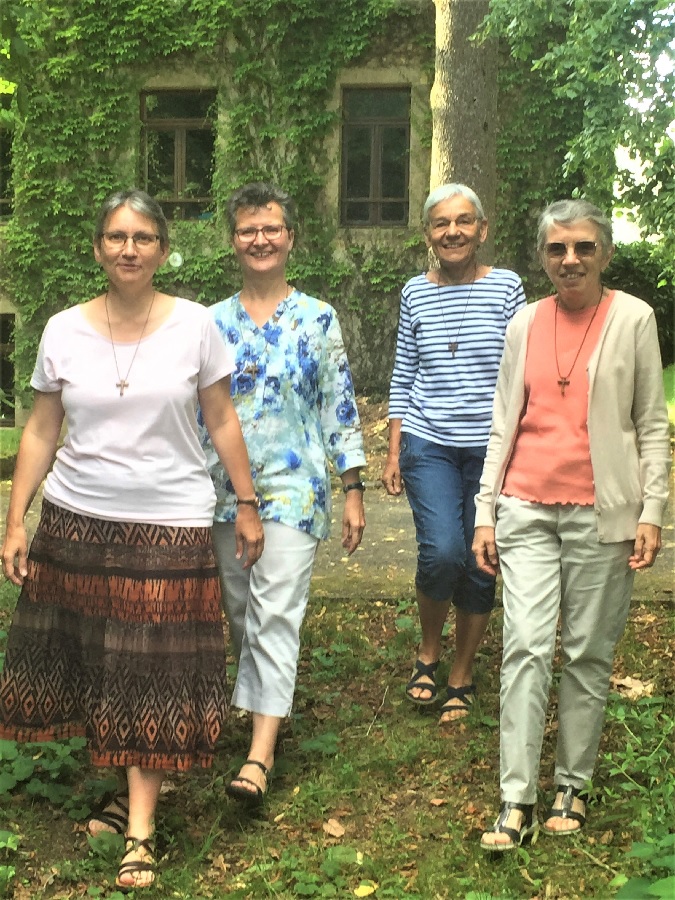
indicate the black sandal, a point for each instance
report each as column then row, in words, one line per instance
column 528, row 830
column 137, row 866
column 109, row 815
column 242, row 794
column 465, row 696
column 420, row 671
column 565, row 811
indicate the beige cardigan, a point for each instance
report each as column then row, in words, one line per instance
column 627, row 420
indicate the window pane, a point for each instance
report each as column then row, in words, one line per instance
column 394, row 213
column 198, row 163
column 356, row 214
column 161, row 149
column 178, row 104
column 394, row 161
column 357, row 150
column 377, row 103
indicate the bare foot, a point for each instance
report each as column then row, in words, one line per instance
column 515, row 820
column 562, row 825
column 137, row 869
column 113, row 819
column 248, row 773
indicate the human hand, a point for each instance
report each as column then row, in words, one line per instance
column 15, row 554
column 485, row 549
column 646, row 547
column 391, row 476
column 353, row 521
column 249, row 535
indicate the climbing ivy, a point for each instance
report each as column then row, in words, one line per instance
column 81, row 67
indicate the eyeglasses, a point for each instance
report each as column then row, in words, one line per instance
column 461, row 222
column 558, row 250
column 115, row 240
column 269, row 232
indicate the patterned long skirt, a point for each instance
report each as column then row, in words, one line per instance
column 118, row 637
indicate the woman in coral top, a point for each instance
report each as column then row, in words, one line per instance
column 571, row 501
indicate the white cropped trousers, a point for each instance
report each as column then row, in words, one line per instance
column 265, row 608
column 553, row 565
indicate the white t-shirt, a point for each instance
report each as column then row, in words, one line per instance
column 134, row 458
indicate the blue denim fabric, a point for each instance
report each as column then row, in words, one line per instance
column 441, row 483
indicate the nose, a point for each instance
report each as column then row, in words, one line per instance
column 570, row 257
column 126, row 249
column 260, row 237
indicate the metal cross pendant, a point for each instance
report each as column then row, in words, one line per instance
column 452, row 347
column 563, row 382
column 122, row 384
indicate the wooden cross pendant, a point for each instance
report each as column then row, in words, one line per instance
column 563, row 382
column 452, row 347
column 122, row 384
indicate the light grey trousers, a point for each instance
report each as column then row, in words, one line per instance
column 265, row 607
column 553, row 564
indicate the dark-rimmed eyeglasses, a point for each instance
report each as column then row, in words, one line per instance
column 558, row 250
column 115, row 240
column 250, row 233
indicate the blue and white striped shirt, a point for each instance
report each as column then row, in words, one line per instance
column 446, row 398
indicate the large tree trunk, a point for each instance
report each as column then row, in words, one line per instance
column 464, row 105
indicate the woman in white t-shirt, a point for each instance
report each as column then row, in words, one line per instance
column 117, row 634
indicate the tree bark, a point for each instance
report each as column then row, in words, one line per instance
column 464, row 105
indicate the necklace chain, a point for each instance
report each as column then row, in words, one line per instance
column 564, row 380
column 454, row 345
column 123, row 383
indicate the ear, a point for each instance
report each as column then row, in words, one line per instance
column 427, row 239
column 483, row 233
column 165, row 255
column 608, row 258
column 97, row 252
column 291, row 239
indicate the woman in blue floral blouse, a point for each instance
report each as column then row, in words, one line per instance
column 294, row 396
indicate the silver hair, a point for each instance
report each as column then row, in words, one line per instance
column 140, row 202
column 569, row 212
column 445, row 192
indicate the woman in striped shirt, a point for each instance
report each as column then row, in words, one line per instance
column 450, row 340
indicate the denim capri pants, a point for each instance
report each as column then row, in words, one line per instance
column 441, row 483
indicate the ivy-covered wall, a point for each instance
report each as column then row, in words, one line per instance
column 275, row 65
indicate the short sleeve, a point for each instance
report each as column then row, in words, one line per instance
column 217, row 360
column 45, row 376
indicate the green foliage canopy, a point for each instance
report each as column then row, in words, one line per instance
column 614, row 62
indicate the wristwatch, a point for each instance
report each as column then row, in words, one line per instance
column 354, row 486
column 250, row 501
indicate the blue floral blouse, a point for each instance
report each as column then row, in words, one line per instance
column 294, row 395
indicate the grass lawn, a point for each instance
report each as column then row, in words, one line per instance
column 369, row 796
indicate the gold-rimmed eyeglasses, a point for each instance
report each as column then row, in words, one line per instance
column 250, row 233
column 461, row 223
column 142, row 240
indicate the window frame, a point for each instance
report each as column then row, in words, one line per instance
column 175, row 206
column 377, row 124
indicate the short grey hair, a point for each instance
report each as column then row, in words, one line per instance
column 445, row 192
column 141, row 203
column 569, row 212
column 257, row 194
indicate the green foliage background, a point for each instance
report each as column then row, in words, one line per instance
column 80, row 64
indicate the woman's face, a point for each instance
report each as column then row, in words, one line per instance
column 257, row 253
column 128, row 262
column 454, row 232
column 574, row 266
